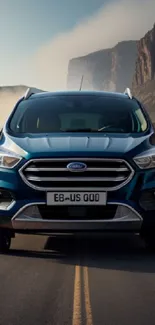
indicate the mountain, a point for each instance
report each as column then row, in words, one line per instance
column 13, row 89
column 128, row 64
column 109, row 69
column 143, row 85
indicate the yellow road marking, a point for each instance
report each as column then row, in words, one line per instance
column 77, row 320
column 89, row 319
column 77, row 297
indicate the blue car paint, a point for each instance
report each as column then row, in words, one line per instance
column 63, row 145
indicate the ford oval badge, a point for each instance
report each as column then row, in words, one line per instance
column 77, row 167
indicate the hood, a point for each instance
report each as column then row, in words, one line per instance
column 102, row 145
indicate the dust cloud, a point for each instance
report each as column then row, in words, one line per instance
column 117, row 21
column 47, row 69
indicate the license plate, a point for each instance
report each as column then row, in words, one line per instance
column 76, row 198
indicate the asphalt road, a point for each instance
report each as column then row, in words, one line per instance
column 84, row 280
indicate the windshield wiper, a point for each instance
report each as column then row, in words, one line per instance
column 104, row 127
column 80, row 130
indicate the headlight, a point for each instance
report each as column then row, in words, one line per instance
column 145, row 162
column 8, row 160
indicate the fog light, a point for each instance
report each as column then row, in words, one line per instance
column 6, row 199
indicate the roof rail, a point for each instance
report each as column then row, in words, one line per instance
column 128, row 93
column 31, row 91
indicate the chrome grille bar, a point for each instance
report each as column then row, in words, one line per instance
column 34, row 169
column 107, row 174
column 73, row 179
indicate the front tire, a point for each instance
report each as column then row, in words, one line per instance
column 5, row 242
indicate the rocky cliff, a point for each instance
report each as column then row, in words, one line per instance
column 110, row 69
column 145, row 64
column 143, row 85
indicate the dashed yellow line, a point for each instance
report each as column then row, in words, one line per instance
column 89, row 319
column 77, row 297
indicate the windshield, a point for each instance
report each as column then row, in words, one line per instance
column 78, row 114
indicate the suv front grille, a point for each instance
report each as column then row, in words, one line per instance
column 53, row 174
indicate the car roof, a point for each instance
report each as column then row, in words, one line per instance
column 79, row 93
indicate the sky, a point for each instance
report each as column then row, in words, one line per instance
column 38, row 38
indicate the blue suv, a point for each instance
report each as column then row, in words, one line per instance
column 77, row 161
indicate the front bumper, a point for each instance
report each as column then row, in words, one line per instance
column 131, row 214
column 30, row 218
